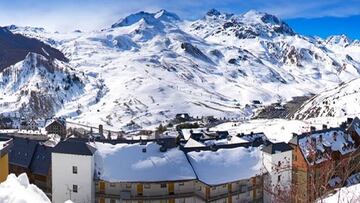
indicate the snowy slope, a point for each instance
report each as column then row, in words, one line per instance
column 342, row 101
column 38, row 86
column 147, row 67
column 19, row 190
column 344, row 195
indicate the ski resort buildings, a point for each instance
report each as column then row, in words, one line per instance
column 324, row 159
column 198, row 166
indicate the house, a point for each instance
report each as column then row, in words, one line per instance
column 32, row 157
column 5, row 145
column 182, row 117
column 73, row 170
column 147, row 171
column 277, row 159
column 323, row 160
column 6, row 122
column 57, row 126
column 28, row 124
column 228, row 174
column 32, row 125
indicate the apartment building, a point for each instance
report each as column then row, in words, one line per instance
column 323, row 160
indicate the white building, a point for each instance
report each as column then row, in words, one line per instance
column 73, row 172
column 277, row 159
column 228, row 174
column 142, row 171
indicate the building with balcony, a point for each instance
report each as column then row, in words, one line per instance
column 135, row 172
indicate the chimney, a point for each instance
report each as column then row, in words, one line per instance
column 324, row 127
column 312, row 128
column 101, row 130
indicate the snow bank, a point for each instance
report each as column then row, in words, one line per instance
column 19, row 190
column 226, row 165
column 344, row 195
column 141, row 163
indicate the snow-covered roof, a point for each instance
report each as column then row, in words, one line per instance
column 226, row 165
column 187, row 132
column 131, row 163
column 193, row 143
column 229, row 140
column 316, row 146
column 4, row 145
column 355, row 125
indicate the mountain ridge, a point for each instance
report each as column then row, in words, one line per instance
column 143, row 72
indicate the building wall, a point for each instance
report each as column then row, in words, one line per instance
column 4, row 167
column 300, row 179
column 249, row 190
column 279, row 177
column 63, row 178
column 156, row 190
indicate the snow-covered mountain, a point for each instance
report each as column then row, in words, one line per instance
column 340, row 102
column 147, row 67
column 14, row 48
column 39, row 87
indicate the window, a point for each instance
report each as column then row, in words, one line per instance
column 75, row 188
column 163, row 185
column 181, row 184
column 112, row 184
column 279, row 177
column 112, row 201
column 75, row 169
column 279, row 163
column 147, row 186
column 128, row 186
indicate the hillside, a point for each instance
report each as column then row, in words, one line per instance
column 342, row 101
column 147, row 67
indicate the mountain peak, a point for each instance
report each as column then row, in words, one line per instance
column 151, row 18
column 166, row 15
column 341, row 40
column 213, row 12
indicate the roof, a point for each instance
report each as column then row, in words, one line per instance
column 5, row 145
column 274, row 148
column 319, row 145
column 253, row 136
column 186, row 133
column 141, row 163
column 75, row 147
column 41, row 161
column 355, row 125
column 193, row 143
column 22, row 152
column 226, row 165
column 60, row 121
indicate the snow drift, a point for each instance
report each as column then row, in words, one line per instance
column 19, row 190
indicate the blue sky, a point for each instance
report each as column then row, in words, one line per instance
column 310, row 17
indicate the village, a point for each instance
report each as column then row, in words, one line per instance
column 187, row 160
